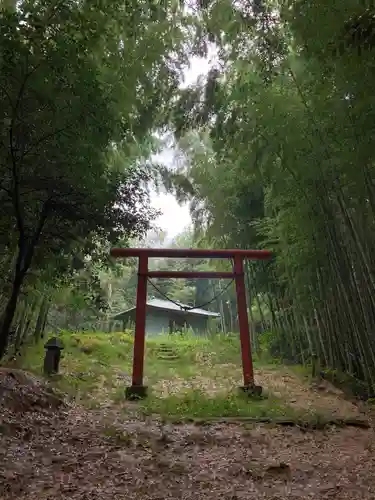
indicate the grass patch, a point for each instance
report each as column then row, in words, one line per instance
column 91, row 365
column 196, row 404
column 304, row 373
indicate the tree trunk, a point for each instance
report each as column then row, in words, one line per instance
column 20, row 327
column 41, row 319
column 25, row 256
column 9, row 312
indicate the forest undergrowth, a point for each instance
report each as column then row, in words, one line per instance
column 75, row 436
column 187, row 376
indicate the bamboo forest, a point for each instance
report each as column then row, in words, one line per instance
column 273, row 150
column 270, row 146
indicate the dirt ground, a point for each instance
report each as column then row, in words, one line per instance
column 324, row 397
column 51, row 450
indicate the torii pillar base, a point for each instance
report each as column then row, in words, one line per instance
column 252, row 390
column 136, row 392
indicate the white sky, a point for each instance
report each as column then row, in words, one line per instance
column 176, row 218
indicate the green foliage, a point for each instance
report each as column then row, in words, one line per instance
column 83, row 86
column 279, row 153
column 270, row 345
column 276, row 150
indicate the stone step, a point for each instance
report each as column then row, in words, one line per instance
column 166, row 352
column 169, row 358
column 166, row 348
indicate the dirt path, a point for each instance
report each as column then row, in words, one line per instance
column 70, row 453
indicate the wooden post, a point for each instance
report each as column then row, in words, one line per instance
column 137, row 389
column 243, row 321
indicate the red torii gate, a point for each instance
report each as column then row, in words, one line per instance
column 138, row 389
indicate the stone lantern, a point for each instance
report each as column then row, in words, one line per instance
column 53, row 347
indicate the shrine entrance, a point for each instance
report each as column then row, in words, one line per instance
column 137, row 389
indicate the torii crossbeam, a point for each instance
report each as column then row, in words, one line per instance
column 137, row 388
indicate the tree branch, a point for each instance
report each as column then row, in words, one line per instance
column 15, row 194
column 29, row 253
column 44, row 138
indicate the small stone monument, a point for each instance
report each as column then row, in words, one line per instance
column 53, row 347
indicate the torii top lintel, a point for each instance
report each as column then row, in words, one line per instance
column 192, row 253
